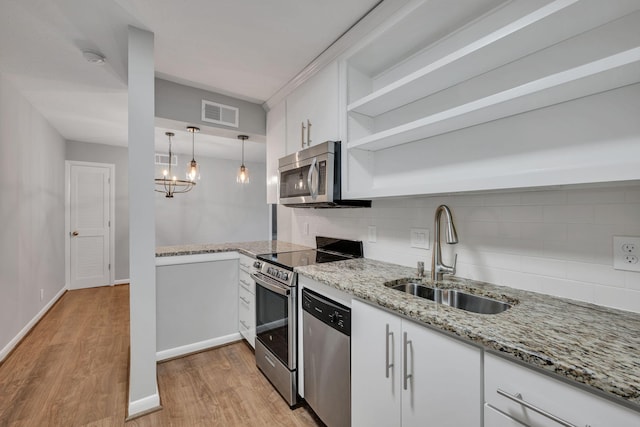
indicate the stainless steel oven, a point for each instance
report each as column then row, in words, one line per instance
column 276, row 308
column 276, row 341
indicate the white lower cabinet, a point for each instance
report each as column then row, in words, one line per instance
column 536, row 400
column 404, row 374
column 246, row 301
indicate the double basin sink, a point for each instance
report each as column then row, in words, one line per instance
column 453, row 298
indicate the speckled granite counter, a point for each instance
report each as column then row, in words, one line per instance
column 248, row 248
column 590, row 344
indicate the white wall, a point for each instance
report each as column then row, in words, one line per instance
column 218, row 209
column 32, row 158
column 118, row 156
column 557, row 242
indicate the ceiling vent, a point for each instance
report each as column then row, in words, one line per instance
column 213, row 112
column 163, row 159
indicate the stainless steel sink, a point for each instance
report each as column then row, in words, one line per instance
column 454, row 298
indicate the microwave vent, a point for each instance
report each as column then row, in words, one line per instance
column 221, row 114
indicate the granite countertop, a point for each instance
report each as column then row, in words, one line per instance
column 248, row 248
column 583, row 342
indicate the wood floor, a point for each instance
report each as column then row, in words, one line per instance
column 71, row 370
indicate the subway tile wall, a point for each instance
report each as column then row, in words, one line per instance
column 557, row 242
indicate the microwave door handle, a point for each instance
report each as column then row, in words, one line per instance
column 310, row 179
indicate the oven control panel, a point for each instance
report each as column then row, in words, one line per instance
column 280, row 274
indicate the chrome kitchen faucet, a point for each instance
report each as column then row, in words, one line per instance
column 438, row 268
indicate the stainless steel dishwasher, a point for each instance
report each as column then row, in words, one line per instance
column 327, row 358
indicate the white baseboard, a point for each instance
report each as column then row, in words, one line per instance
column 145, row 404
column 122, row 282
column 11, row 345
column 198, row 346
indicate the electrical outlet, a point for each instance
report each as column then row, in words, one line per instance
column 373, row 234
column 420, row 238
column 626, row 253
column 630, row 259
column 41, row 294
column 306, row 228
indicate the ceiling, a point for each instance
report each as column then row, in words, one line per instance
column 243, row 48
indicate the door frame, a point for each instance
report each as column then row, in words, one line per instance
column 67, row 217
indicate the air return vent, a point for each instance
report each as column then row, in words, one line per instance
column 163, row 159
column 213, row 112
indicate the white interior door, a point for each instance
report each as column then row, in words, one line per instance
column 89, row 216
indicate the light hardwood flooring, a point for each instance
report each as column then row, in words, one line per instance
column 71, row 370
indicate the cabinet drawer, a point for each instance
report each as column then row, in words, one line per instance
column 571, row 404
column 245, row 263
column 246, row 315
column 246, row 282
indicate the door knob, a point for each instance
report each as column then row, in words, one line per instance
column 75, row 233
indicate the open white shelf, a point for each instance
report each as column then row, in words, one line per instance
column 597, row 76
column 504, row 41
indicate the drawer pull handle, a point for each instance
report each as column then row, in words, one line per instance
column 245, row 283
column 388, row 365
column 518, row 399
column 244, row 300
column 244, row 324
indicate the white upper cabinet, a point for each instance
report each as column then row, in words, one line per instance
column 312, row 110
column 492, row 94
column 276, row 147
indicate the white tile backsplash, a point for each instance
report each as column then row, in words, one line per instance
column 552, row 241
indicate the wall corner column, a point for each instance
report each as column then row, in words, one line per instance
column 143, row 386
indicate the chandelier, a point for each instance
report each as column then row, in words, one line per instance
column 243, row 172
column 169, row 184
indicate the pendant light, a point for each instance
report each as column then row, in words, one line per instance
column 193, row 169
column 243, row 172
column 169, row 184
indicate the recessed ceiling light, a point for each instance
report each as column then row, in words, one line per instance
column 93, row 57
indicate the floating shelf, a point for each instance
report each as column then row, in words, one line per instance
column 526, row 34
column 597, row 76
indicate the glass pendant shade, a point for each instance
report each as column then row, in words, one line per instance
column 243, row 172
column 243, row 175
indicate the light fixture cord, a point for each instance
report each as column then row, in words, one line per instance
column 193, row 143
column 243, row 151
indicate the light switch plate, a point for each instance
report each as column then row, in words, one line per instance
column 626, row 253
column 420, row 238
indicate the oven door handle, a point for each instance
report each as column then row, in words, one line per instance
column 281, row 290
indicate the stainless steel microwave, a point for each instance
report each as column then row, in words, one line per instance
column 310, row 178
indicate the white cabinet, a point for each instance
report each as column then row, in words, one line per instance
column 514, row 390
column 404, row 374
column 492, row 94
column 246, row 301
column 276, row 147
column 312, row 110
